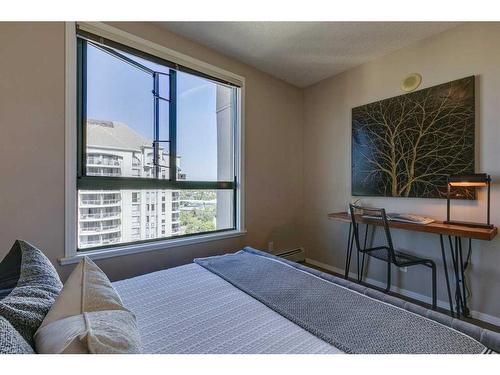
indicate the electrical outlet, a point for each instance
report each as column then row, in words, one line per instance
column 270, row 246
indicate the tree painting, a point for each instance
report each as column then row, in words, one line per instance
column 406, row 146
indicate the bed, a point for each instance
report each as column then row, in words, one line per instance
column 188, row 309
column 254, row 302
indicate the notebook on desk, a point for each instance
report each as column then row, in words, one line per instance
column 405, row 218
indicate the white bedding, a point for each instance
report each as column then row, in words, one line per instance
column 188, row 309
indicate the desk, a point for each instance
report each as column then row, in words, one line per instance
column 455, row 233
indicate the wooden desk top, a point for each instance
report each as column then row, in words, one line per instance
column 437, row 227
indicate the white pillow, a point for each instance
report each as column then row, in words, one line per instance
column 88, row 317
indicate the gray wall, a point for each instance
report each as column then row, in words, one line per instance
column 32, row 149
column 470, row 49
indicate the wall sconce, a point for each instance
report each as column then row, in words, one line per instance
column 472, row 181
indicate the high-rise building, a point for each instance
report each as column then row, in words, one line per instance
column 119, row 216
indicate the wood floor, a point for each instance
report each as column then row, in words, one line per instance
column 477, row 322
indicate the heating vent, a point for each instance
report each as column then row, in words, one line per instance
column 295, row 255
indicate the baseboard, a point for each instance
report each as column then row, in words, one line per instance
column 408, row 293
column 295, row 255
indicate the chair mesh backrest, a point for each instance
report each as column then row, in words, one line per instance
column 377, row 212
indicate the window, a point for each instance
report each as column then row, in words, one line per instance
column 148, row 125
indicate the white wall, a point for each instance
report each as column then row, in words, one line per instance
column 470, row 49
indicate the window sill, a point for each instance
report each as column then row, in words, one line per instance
column 152, row 246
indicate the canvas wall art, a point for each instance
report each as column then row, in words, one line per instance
column 406, row 146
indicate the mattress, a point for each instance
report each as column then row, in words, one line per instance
column 188, row 309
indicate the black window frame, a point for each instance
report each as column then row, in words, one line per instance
column 88, row 183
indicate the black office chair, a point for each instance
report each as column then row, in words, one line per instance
column 387, row 252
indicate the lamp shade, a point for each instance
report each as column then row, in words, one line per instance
column 469, row 180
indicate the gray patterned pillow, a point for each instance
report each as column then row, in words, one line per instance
column 29, row 285
column 11, row 341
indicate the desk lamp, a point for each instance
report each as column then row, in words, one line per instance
column 469, row 181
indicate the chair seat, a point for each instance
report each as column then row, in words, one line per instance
column 402, row 259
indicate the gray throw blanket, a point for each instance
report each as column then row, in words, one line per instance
column 349, row 320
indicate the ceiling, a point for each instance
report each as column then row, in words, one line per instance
column 303, row 53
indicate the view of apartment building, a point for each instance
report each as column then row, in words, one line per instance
column 116, row 149
column 116, row 216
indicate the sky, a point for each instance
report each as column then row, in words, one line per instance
column 117, row 91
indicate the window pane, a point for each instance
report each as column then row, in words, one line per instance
column 163, row 160
column 163, row 82
column 205, row 210
column 204, row 129
column 164, row 118
column 163, row 145
column 122, row 216
column 120, row 115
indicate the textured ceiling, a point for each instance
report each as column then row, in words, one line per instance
column 303, row 53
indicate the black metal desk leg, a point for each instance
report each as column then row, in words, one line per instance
column 349, row 252
column 458, row 290
column 358, row 266
column 463, row 281
column 458, row 299
column 445, row 265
